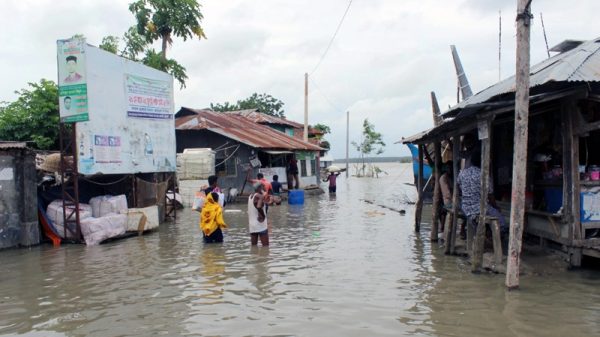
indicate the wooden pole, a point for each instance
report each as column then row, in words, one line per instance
column 571, row 181
column 419, row 206
column 452, row 223
column 478, row 245
column 517, row 211
column 347, row 142
column 437, row 153
column 306, row 107
column 435, row 108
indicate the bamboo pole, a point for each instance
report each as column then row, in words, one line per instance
column 437, row 153
column 517, row 212
column 419, row 206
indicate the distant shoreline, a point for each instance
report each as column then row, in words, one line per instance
column 406, row 159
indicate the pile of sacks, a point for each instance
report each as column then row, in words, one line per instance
column 104, row 218
column 55, row 214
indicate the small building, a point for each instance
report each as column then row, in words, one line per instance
column 563, row 165
column 18, row 196
column 244, row 144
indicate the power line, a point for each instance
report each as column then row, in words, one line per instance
column 332, row 38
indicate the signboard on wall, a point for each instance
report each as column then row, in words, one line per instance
column 130, row 126
column 72, row 85
column 269, row 172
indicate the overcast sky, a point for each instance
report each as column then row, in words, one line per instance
column 387, row 57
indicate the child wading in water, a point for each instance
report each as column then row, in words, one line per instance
column 211, row 219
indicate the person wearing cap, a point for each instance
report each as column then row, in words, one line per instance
column 257, row 216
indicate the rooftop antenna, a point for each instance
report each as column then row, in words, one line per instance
column 463, row 83
column 499, row 46
column 545, row 38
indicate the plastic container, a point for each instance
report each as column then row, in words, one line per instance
column 296, row 197
column 594, row 172
column 553, row 198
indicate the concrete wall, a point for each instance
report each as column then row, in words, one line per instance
column 18, row 199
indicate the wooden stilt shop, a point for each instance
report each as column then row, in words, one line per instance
column 561, row 162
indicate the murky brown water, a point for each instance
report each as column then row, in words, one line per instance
column 336, row 267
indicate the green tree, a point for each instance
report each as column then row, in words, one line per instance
column 163, row 19
column 110, row 43
column 323, row 128
column 135, row 45
column 223, row 107
column 263, row 102
column 33, row 116
column 372, row 142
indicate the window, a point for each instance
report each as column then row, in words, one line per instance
column 313, row 167
column 303, row 172
column 225, row 167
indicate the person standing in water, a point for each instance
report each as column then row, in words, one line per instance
column 257, row 216
column 332, row 178
column 211, row 219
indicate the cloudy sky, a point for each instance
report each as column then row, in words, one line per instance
column 387, row 57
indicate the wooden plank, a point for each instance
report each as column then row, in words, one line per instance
column 455, row 196
column 437, row 195
column 419, row 205
column 477, row 251
column 517, row 212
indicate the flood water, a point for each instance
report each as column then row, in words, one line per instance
column 337, row 266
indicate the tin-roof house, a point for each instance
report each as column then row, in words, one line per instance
column 244, row 145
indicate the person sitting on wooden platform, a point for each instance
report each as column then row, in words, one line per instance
column 469, row 183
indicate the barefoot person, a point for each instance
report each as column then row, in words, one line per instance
column 257, row 216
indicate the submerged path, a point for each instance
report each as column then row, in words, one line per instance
column 337, row 266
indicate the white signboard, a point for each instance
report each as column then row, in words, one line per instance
column 269, row 172
column 131, row 126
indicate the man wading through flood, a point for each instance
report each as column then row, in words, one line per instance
column 257, row 216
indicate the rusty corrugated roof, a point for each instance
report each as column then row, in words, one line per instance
column 262, row 118
column 579, row 64
column 243, row 129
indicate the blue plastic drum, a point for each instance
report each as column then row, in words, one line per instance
column 296, row 197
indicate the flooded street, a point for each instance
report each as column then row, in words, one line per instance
column 337, row 266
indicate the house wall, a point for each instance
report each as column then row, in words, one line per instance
column 18, row 199
column 207, row 139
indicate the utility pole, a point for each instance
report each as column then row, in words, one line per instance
column 347, row 142
column 306, row 107
column 517, row 211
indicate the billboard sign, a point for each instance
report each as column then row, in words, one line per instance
column 129, row 125
column 72, row 85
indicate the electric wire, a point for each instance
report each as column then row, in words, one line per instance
column 332, row 38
